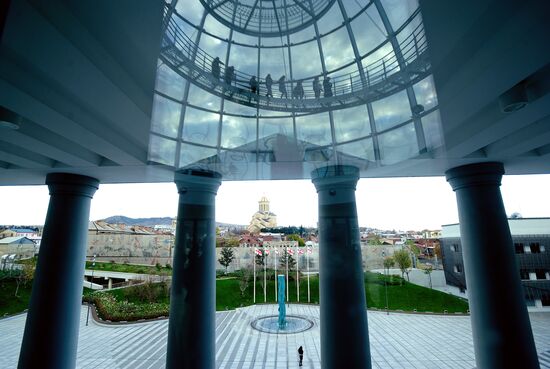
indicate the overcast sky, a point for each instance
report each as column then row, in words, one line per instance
column 400, row 203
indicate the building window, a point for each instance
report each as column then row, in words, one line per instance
column 540, row 273
column 458, row 268
column 535, row 247
column 524, row 274
column 519, row 248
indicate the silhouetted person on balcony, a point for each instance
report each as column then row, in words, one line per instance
column 216, row 71
column 327, row 86
column 301, row 354
column 282, row 87
column 317, row 87
column 298, row 91
column 253, row 87
column 229, row 77
column 268, row 84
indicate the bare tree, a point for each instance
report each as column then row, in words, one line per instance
column 26, row 274
column 428, row 269
column 245, row 279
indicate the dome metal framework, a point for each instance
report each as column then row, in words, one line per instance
column 268, row 18
column 381, row 108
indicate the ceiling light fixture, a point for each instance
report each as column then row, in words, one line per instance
column 9, row 119
column 514, row 99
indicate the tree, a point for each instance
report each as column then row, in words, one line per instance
column 375, row 241
column 295, row 237
column 389, row 262
column 26, row 274
column 226, row 258
column 260, row 259
column 403, row 261
column 414, row 249
column 245, row 278
column 283, row 261
column 428, row 270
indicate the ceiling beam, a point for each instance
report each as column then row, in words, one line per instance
column 41, row 141
column 521, row 141
column 490, row 125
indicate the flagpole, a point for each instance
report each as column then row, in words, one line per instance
column 308, row 290
column 276, row 252
column 254, row 263
column 265, row 280
column 297, row 275
column 286, row 258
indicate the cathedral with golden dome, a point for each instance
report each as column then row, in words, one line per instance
column 263, row 218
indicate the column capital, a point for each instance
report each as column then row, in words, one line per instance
column 478, row 174
column 197, row 182
column 71, row 184
column 335, row 176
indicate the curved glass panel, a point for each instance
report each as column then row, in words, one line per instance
column 314, row 129
column 425, row 93
column 351, row 124
column 161, row 150
column 237, row 131
column 398, row 144
column 169, row 82
column 391, row 111
column 201, row 127
column 165, row 119
column 431, row 124
column 336, row 109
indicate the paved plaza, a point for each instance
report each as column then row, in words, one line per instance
column 397, row 341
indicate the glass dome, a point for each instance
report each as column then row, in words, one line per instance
column 297, row 85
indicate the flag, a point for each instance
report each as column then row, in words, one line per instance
column 301, row 251
column 258, row 252
column 290, row 251
column 309, row 250
column 266, row 252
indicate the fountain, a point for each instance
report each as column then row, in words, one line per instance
column 282, row 323
column 281, row 298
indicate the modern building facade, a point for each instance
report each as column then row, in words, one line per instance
column 531, row 240
column 329, row 90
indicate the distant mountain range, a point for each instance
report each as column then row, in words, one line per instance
column 151, row 222
column 147, row 222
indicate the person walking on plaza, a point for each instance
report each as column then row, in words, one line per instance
column 301, row 354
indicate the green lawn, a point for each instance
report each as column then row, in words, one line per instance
column 402, row 295
column 152, row 300
column 409, row 296
column 9, row 303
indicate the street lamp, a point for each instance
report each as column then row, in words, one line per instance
column 93, row 266
column 385, row 281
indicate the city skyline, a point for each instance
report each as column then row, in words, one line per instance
column 400, row 203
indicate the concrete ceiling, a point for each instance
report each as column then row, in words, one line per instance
column 81, row 75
